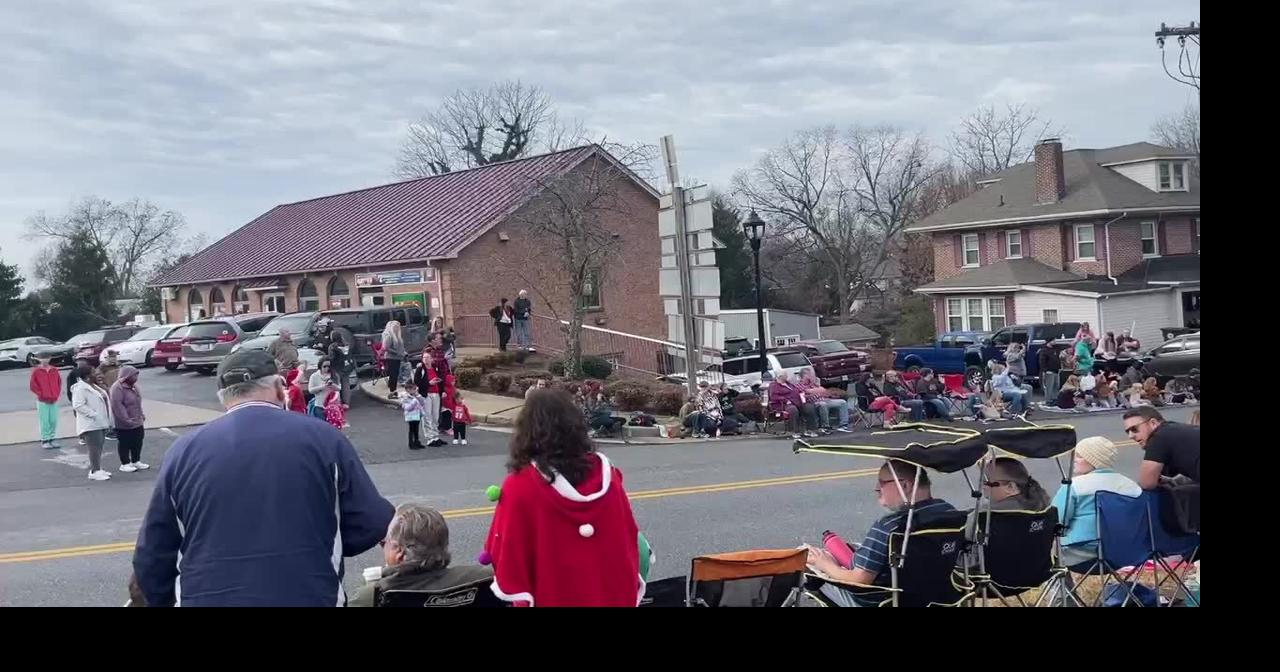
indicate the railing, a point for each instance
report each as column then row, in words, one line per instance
column 650, row 357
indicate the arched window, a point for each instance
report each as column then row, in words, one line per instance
column 339, row 295
column 308, row 299
column 240, row 299
column 195, row 305
column 217, row 302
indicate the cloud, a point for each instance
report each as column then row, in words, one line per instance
column 223, row 108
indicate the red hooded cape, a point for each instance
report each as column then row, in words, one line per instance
column 554, row 545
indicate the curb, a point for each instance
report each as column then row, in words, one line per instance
column 480, row 418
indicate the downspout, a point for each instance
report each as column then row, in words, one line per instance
column 1106, row 238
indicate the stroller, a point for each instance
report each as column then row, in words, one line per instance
column 926, row 563
column 761, row 578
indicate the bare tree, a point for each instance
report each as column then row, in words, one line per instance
column 133, row 234
column 989, row 140
column 1181, row 130
column 839, row 202
column 478, row 126
column 567, row 217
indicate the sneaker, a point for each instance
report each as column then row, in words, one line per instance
column 416, row 446
column 393, row 395
column 141, row 466
column 82, row 442
column 346, row 425
column 46, row 445
column 455, row 442
column 112, row 437
column 436, row 443
column 99, row 475
column 810, row 435
column 464, row 442
column 844, row 429
column 795, row 436
column 54, row 444
column 128, row 468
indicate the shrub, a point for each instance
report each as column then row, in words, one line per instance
column 667, row 399
column 519, row 356
column 749, row 405
column 591, row 367
column 556, row 367
column 504, row 358
column 570, row 387
column 629, row 395
column 498, row 382
column 469, row 376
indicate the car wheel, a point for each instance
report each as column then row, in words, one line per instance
column 206, row 370
column 171, row 367
column 31, row 361
column 974, row 377
column 146, row 359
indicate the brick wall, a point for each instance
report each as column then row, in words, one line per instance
column 1044, row 243
column 944, row 256
column 489, row 269
column 1178, row 236
column 1126, row 245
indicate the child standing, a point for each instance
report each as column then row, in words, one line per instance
column 334, row 414
column 413, row 406
column 46, row 384
column 461, row 418
column 297, row 398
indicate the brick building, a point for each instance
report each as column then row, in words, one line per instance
column 453, row 244
column 1108, row 236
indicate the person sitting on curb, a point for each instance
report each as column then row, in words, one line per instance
column 416, row 553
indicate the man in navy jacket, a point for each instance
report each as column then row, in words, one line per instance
column 258, row 507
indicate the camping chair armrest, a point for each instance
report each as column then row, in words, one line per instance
column 860, row 589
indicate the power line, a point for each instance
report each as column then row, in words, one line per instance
column 1188, row 70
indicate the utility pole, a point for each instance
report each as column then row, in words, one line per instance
column 1188, row 69
column 691, row 342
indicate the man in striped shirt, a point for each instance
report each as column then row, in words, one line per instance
column 895, row 485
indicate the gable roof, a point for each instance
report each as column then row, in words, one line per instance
column 1092, row 190
column 847, row 332
column 1169, row 269
column 1009, row 273
column 416, row 220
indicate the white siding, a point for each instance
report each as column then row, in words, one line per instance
column 1149, row 311
column 1030, row 306
column 1143, row 173
column 778, row 323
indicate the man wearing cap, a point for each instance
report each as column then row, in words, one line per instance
column 258, row 507
column 1091, row 471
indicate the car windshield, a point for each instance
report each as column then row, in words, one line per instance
column 152, row 334
column 209, row 329
column 355, row 321
column 831, row 347
column 791, row 360
column 87, row 337
column 294, row 324
column 179, row 332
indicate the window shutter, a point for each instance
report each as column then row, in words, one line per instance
column 1163, row 245
column 1026, row 244
column 1099, row 246
column 957, row 247
column 1068, row 243
column 982, row 249
column 1195, row 234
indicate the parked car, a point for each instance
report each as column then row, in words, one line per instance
column 168, row 350
column 88, row 346
column 833, row 362
column 299, row 326
column 744, row 371
column 364, row 326
column 1034, row 336
column 22, row 350
column 208, row 342
column 1173, row 358
column 944, row 355
column 140, row 347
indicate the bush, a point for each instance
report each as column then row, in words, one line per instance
column 503, row 358
column 556, row 367
column 629, row 395
column 749, row 405
column 592, row 367
column 519, row 356
column 498, row 382
column 667, row 399
column 469, row 376
column 569, row 387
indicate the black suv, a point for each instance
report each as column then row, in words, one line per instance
column 363, row 327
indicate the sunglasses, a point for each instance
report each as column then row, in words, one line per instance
column 995, row 484
column 1132, row 430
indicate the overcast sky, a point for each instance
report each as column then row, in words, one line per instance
column 223, row 108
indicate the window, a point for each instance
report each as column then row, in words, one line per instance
column 339, row 295
column 240, row 300
column 254, row 325
column 1002, row 337
column 969, row 241
column 217, row 302
column 1021, row 335
column 975, row 314
column 790, row 360
column 308, row 299
column 1050, row 315
column 1150, row 247
column 1173, row 176
column 1013, row 244
column 415, row 316
column 195, row 305
column 734, row 367
column 591, row 290
column 273, row 303
column 1085, row 248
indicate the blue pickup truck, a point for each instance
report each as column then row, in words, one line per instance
column 968, row 352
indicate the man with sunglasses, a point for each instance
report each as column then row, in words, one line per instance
column 897, row 483
column 1170, row 449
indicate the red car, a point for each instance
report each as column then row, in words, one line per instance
column 168, row 350
column 89, row 346
column 834, row 363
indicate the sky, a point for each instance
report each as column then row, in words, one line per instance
column 221, row 109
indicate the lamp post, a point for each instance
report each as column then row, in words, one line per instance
column 754, row 228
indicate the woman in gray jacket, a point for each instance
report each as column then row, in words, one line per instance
column 393, row 354
column 1015, row 356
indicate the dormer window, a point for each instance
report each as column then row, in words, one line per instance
column 1172, row 175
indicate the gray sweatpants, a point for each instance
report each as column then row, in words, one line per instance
column 430, row 417
column 94, row 441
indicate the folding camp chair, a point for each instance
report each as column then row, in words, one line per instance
column 670, row 592
column 862, row 414
column 1012, row 553
column 1168, row 544
column 474, row 595
column 766, row 578
column 926, row 577
column 957, row 394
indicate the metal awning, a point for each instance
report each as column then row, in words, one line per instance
column 263, row 284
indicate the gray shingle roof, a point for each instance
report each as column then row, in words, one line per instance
column 1007, row 273
column 1172, row 268
column 848, row 332
column 1100, row 285
column 1090, row 188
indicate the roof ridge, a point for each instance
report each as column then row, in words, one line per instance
column 432, row 177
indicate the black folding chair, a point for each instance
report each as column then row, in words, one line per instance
column 1012, row 553
column 475, row 594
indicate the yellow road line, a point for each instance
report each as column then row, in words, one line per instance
column 79, row 551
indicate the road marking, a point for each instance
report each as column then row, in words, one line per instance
column 123, row 547
column 168, row 431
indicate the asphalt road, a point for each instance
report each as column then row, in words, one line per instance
column 66, row 541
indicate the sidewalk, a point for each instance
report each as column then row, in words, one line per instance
column 488, row 409
column 24, row 426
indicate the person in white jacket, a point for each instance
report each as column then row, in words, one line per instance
column 92, row 409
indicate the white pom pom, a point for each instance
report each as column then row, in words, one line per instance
column 586, row 530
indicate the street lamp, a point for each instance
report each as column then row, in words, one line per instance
column 753, row 226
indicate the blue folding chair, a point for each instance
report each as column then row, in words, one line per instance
column 1124, row 540
column 1167, row 544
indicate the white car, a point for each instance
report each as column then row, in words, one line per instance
column 19, row 350
column 138, row 349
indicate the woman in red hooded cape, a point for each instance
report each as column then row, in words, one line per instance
column 563, row 534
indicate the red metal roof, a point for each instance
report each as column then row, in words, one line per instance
column 426, row 218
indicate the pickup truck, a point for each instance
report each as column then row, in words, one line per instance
column 1035, row 336
column 944, row 355
column 833, row 362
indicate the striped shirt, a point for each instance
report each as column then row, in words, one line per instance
column 873, row 554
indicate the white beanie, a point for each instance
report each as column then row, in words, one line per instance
column 1097, row 450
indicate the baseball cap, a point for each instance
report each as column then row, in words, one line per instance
column 244, row 366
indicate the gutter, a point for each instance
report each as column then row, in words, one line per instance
column 1106, row 236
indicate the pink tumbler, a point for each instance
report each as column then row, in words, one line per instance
column 838, row 549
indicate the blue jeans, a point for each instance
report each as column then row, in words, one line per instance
column 939, row 406
column 523, row 338
column 825, row 406
column 1016, row 399
column 916, row 407
column 1049, row 382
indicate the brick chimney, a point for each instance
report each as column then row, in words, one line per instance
column 1051, row 183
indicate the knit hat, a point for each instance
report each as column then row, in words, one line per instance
column 1097, row 450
